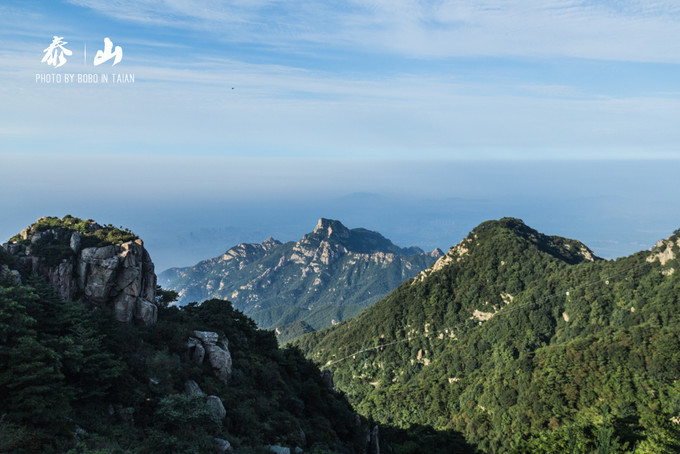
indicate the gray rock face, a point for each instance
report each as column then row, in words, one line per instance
column 74, row 243
column 123, row 276
column 60, row 279
column 216, row 406
column 146, row 312
column 119, row 276
column 220, row 360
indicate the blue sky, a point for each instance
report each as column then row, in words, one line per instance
column 333, row 98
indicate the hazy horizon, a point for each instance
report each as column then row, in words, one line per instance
column 426, row 204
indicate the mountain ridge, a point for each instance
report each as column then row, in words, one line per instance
column 330, row 274
column 478, row 342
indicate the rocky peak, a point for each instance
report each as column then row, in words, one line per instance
column 333, row 235
column 269, row 243
column 329, row 267
column 330, row 228
column 83, row 261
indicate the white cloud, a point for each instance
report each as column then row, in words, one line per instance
column 632, row 30
column 183, row 103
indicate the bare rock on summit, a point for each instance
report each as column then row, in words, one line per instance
column 119, row 274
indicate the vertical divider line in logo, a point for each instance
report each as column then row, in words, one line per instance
column 85, row 55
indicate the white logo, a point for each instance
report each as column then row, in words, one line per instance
column 55, row 52
column 107, row 54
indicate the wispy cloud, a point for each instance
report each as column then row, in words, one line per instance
column 183, row 97
column 629, row 30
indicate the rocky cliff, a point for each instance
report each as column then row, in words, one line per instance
column 330, row 274
column 84, row 261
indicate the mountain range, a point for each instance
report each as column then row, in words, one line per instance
column 512, row 342
column 329, row 275
column 522, row 342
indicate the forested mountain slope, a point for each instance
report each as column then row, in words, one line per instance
column 523, row 343
column 76, row 377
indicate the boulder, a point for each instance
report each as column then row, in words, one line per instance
column 220, row 360
column 191, row 388
column 216, row 406
column 219, row 357
column 221, row 445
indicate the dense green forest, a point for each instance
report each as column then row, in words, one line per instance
column 522, row 343
column 73, row 379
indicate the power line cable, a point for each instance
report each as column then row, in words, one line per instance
column 499, row 313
